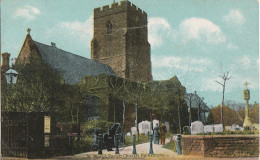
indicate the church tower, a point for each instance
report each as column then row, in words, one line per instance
column 120, row 40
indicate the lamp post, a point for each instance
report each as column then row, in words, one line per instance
column 133, row 131
column 117, row 150
column 151, row 143
column 11, row 78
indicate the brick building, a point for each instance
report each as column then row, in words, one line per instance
column 121, row 40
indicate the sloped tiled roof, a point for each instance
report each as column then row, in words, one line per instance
column 72, row 67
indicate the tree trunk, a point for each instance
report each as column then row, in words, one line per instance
column 199, row 112
column 179, row 117
column 151, row 125
column 123, row 121
column 114, row 113
column 136, row 121
column 78, row 124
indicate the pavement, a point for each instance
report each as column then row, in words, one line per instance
column 142, row 154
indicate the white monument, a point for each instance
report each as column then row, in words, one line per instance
column 197, row 127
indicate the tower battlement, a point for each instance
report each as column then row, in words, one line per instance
column 120, row 40
column 115, row 7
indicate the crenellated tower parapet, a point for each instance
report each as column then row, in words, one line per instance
column 120, row 40
column 115, row 8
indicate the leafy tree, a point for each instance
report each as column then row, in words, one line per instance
column 230, row 116
column 210, row 118
column 254, row 113
column 38, row 89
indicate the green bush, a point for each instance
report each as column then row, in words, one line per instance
column 171, row 145
column 88, row 127
column 81, row 146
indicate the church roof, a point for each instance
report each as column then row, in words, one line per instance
column 72, row 67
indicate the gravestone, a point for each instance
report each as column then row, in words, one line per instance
column 147, row 127
column 236, row 127
column 218, row 128
column 144, row 127
column 167, row 124
column 209, row 128
column 197, row 127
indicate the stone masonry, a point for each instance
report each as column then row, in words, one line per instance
column 121, row 40
column 222, row 146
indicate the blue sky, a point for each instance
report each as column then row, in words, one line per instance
column 196, row 40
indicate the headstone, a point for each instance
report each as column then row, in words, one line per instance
column 155, row 122
column 140, row 127
column 218, row 128
column 197, row 127
column 144, row 127
column 209, row 128
column 167, row 126
column 147, row 126
column 236, row 127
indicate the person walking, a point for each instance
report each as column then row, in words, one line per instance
column 156, row 134
column 163, row 131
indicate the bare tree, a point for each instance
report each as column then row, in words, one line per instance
column 199, row 102
column 225, row 77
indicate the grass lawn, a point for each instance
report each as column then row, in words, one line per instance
column 170, row 145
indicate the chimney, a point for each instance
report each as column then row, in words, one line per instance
column 13, row 60
column 5, row 61
column 53, row 44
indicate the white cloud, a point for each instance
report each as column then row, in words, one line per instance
column 200, row 29
column 237, row 81
column 244, row 62
column 79, row 30
column 232, row 46
column 83, row 30
column 158, row 28
column 210, row 84
column 27, row 11
column 182, row 63
column 235, row 17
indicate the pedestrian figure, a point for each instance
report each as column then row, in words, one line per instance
column 156, row 134
column 163, row 131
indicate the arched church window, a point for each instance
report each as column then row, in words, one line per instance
column 109, row 27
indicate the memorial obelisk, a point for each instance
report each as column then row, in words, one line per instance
column 247, row 122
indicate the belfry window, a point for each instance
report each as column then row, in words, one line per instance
column 109, row 27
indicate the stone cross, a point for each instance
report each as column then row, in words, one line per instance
column 246, row 84
column 28, row 30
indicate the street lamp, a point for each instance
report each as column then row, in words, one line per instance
column 11, row 76
column 133, row 131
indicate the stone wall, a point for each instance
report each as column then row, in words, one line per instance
column 221, row 145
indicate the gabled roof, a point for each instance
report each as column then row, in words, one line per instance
column 72, row 67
